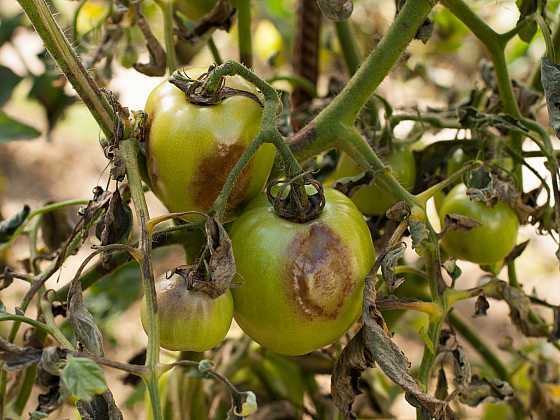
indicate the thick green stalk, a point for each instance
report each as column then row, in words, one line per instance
column 346, row 106
column 349, row 46
column 128, row 150
column 244, row 32
column 61, row 50
column 319, row 135
column 353, row 58
column 166, row 7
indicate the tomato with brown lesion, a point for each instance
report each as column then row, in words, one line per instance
column 191, row 148
column 300, row 284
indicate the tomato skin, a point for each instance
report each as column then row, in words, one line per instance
column 373, row 199
column 485, row 244
column 195, row 9
column 192, row 148
column 301, row 284
column 189, row 320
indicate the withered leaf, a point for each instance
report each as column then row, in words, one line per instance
column 16, row 358
column 82, row 321
column 520, row 309
column 459, row 222
column 372, row 345
column 516, row 252
column 221, row 266
column 450, row 351
column 391, row 258
column 49, row 401
column 55, row 228
column 420, row 237
column 485, row 390
column 550, row 79
column 9, row 226
column 336, row 10
column 117, row 221
column 481, row 306
column 442, row 388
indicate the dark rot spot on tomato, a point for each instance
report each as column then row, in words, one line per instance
column 319, row 276
column 212, row 173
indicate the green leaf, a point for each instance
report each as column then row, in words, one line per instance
column 11, row 130
column 8, row 26
column 8, row 81
column 82, row 378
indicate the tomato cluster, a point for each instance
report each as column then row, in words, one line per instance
column 299, row 285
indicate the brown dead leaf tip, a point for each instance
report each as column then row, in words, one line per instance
column 319, row 276
column 212, row 173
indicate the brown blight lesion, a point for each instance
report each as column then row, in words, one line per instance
column 319, row 275
column 212, row 173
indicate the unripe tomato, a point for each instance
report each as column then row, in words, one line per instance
column 192, row 148
column 301, row 284
column 373, row 199
column 195, row 9
column 189, row 320
column 485, row 244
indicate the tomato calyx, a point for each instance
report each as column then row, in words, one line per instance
column 293, row 202
column 196, row 93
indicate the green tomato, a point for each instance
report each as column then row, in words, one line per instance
column 485, row 244
column 195, row 9
column 189, row 320
column 373, row 199
column 192, row 148
column 300, row 284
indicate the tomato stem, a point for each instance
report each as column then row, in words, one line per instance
column 166, row 7
column 244, row 32
column 128, row 150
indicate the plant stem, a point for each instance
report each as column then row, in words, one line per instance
column 244, row 32
column 535, row 81
column 128, row 150
column 61, row 50
column 361, row 152
column 346, row 106
column 353, row 59
column 479, row 346
column 349, row 46
column 321, row 133
column 214, row 51
column 166, row 7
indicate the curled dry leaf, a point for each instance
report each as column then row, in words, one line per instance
column 372, row 345
column 550, row 78
column 336, row 10
column 481, row 306
column 481, row 390
column 221, row 266
column 82, row 321
column 520, row 309
column 450, row 351
column 391, row 258
column 214, row 272
column 458, row 222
